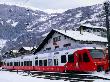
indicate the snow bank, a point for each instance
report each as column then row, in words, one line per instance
column 6, row 76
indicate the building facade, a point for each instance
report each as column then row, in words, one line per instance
column 61, row 39
column 99, row 31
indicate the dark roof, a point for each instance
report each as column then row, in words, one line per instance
column 45, row 41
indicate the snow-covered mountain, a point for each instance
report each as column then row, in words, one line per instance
column 24, row 27
column 73, row 18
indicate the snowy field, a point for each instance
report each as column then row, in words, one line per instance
column 6, row 76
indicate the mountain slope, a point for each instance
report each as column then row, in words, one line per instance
column 24, row 27
column 73, row 18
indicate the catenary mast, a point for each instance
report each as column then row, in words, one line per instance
column 106, row 6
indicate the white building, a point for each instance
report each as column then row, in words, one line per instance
column 100, row 31
column 61, row 39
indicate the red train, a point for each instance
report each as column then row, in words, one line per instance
column 84, row 60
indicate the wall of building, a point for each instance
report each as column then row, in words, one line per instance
column 50, row 46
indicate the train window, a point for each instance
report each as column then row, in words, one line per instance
column 7, row 64
column 36, row 62
column 25, row 63
column 11, row 64
column 18, row 63
column 15, row 63
column 50, row 62
column 55, row 62
column 63, row 59
column 45, row 62
column 85, row 57
column 40, row 63
column 96, row 53
column 30, row 63
column 21, row 63
column 70, row 58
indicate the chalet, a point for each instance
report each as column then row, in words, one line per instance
column 100, row 31
column 25, row 50
column 61, row 39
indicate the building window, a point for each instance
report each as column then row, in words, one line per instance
column 48, row 48
column 67, row 45
column 55, row 39
column 63, row 59
column 59, row 38
column 65, row 37
column 56, row 47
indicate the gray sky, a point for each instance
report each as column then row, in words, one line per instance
column 53, row 4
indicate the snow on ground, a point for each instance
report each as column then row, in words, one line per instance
column 14, row 24
column 6, row 76
column 2, row 43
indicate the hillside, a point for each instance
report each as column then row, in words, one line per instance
column 23, row 27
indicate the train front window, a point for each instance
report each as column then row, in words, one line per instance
column 70, row 58
column 96, row 53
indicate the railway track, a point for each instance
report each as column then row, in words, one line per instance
column 72, row 77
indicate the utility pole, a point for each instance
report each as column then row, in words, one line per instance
column 106, row 5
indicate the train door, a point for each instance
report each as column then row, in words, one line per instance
column 84, row 60
column 72, row 64
column 78, row 59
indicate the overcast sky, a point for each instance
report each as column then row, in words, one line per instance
column 53, row 4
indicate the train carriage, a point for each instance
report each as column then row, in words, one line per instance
column 81, row 59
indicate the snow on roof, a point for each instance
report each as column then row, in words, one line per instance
column 28, row 48
column 91, row 26
column 44, row 35
column 86, row 36
column 15, row 51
